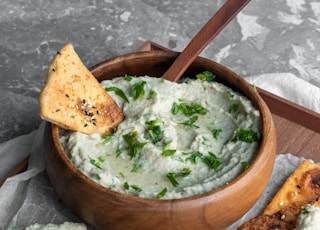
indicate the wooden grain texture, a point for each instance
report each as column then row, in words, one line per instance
column 208, row 32
column 296, row 139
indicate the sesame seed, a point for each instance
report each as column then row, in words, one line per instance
column 281, row 203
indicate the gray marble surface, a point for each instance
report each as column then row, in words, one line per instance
column 274, row 36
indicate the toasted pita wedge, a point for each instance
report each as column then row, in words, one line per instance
column 302, row 186
column 300, row 189
column 73, row 99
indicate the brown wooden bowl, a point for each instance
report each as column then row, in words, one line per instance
column 107, row 209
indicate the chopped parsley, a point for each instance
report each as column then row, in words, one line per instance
column 162, row 193
column 155, row 132
column 136, row 167
column 153, row 95
column 118, row 92
column 96, row 163
column 136, row 187
column 216, row 133
column 134, row 146
column 128, row 77
column 174, row 108
column 168, row 152
column 230, row 94
column 126, row 186
column 107, row 138
column 188, row 109
column 245, row 165
column 173, row 175
column 233, row 108
column 101, row 159
column 137, row 90
column 206, row 76
column 305, row 212
column 245, row 135
column 213, row 161
column 195, row 157
column 191, row 122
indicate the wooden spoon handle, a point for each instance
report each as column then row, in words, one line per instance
column 210, row 30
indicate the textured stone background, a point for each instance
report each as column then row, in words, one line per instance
column 266, row 37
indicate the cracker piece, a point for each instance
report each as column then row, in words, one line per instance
column 301, row 187
column 73, row 99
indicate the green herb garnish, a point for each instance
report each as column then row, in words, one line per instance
column 195, row 157
column 230, row 94
column 95, row 163
column 188, row 109
column 118, row 92
column 155, row 132
column 118, row 152
column 255, row 88
column 245, row 165
column 173, row 175
column 233, row 108
column 213, row 161
column 206, row 76
column 137, row 90
column 136, row 187
column 245, row 135
column 191, row 122
column 128, row 77
column 126, row 185
column 101, row 159
column 152, row 95
column 168, row 152
column 107, row 138
column 174, row 108
column 216, row 133
column 162, row 193
column 136, row 167
column 134, row 146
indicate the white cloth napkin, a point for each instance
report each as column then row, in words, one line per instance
column 290, row 87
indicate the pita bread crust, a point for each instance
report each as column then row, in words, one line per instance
column 301, row 187
column 73, row 99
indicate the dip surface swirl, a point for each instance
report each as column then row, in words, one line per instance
column 177, row 139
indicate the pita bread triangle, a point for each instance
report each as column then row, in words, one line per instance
column 73, row 99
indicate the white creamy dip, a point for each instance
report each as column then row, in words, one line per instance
column 309, row 218
column 177, row 139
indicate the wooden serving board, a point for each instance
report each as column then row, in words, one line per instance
column 298, row 128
